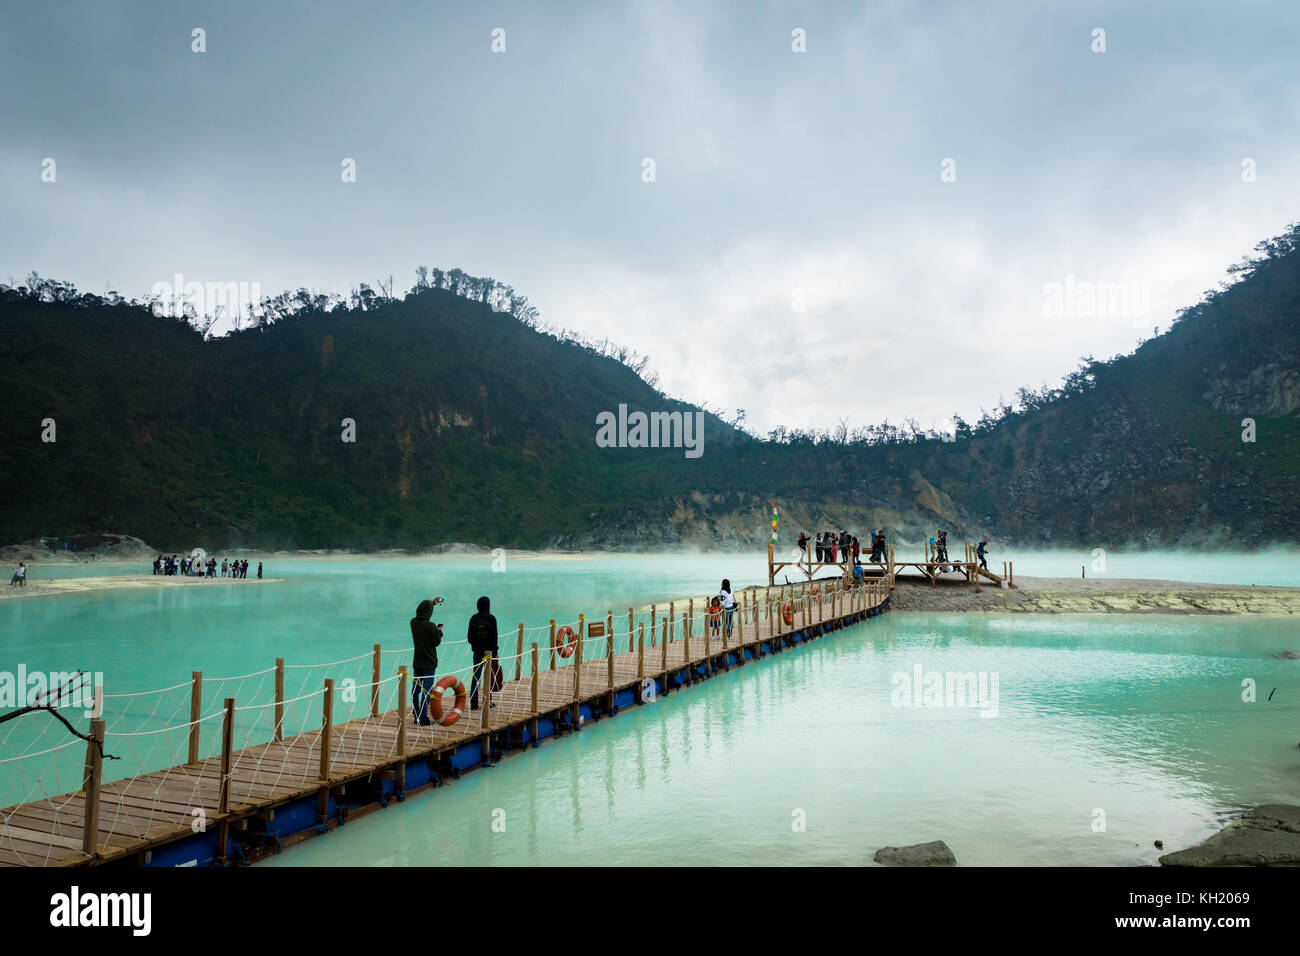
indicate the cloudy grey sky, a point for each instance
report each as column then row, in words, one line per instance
column 782, row 178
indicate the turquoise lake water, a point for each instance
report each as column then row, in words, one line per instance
column 1139, row 718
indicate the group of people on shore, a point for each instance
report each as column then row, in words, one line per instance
column 189, row 567
column 19, row 580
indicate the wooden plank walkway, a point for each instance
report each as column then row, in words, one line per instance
column 143, row 812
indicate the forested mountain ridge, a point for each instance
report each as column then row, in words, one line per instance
column 470, row 424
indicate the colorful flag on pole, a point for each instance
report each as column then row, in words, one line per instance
column 775, row 519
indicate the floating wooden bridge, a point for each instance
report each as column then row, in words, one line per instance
column 930, row 567
column 240, row 803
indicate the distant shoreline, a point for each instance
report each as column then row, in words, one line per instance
column 1031, row 596
column 1095, row 596
column 118, row 582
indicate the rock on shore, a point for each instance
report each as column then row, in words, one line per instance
column 934, row 853
column 1265, row 836
column 104, row 546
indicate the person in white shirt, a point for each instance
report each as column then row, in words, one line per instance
column 20, row 576
column 728, row 603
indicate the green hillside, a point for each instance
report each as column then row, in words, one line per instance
column 472, row 425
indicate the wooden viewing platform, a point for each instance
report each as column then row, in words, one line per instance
column 320, row 778
column 887, row 570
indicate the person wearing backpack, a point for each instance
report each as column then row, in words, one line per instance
column 482, row 642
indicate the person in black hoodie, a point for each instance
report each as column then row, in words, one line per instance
column 426, row 636
column 482, row 641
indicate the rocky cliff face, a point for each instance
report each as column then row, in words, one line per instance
column 1271, row 389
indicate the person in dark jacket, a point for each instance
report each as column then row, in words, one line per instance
column 426, row 635
column 482, row 642
column 981, row 551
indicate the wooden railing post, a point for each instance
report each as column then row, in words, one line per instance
column 401, row 727
column 577, row 671
column 227, row 754
column 534, row 694
column 196, row 711
column 664, row 645
column 326, row 739
column 519, row 651
column 485, row 704
column 485, row 690
column 279, row 699
column 223, row 791
column 609, row 658
column 552, row 643
column 631, row 630
column 376, row 664
column 534, row 681
column 94, row 768
column 640, row 652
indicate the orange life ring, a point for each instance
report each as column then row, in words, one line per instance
column 787, row 614
column 564, row 647
column 456, row 686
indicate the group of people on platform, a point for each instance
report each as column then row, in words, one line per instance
column 185, row 566
column 939, row 550
column 19, row 579
column 830, row 548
